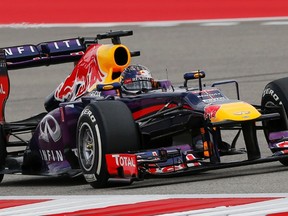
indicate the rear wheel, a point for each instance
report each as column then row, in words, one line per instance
column 104, row 127
column 275, row 94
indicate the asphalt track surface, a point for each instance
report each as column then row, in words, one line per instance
column 251, row 52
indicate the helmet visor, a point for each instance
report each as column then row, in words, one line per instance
column 138, row 85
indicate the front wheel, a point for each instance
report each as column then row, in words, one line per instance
column 275, row 94
column 104, row 127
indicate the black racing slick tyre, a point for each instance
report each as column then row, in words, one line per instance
column 104, row 127
column 275, row 95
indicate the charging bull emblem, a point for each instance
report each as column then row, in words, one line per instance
column 210, row 111
column 85, row 74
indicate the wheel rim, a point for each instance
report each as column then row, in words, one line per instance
column 86, row 147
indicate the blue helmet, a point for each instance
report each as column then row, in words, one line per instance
column 136, row 79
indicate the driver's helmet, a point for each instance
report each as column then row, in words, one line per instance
column 136, row 79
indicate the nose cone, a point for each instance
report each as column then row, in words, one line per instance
column 234, row 111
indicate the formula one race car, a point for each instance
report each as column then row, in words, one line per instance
column 106, row 127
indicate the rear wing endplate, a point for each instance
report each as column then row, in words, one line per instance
column 4, row 85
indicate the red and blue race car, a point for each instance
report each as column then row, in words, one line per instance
column 109, row 124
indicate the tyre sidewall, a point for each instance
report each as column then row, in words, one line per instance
column 98, row 172
column 274, row 94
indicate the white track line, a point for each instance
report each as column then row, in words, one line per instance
column 228, row 23
column 275, row 23
column 142, row 24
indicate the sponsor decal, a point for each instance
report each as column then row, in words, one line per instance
column 51, row 155
column 96, row 94
column 209, row 96
column 20, row 50
column 55, row 46
column 89, row 113
column 65, row 44
column 271, row 92
column 242, row 113
column 168, row 169
column 124, row 161
column 127, row 163
column 210, row 111
column 49, row 128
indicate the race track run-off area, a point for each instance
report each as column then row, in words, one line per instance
column 142, row 205
column 62, row 12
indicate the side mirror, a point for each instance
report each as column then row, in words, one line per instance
column 194, row 75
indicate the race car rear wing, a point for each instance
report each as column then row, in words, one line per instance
column 56, row 52
column 46, row 53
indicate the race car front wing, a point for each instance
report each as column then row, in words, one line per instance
column 171, row 161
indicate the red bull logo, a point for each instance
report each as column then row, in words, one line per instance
column 210, row 111
column 86, row 74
